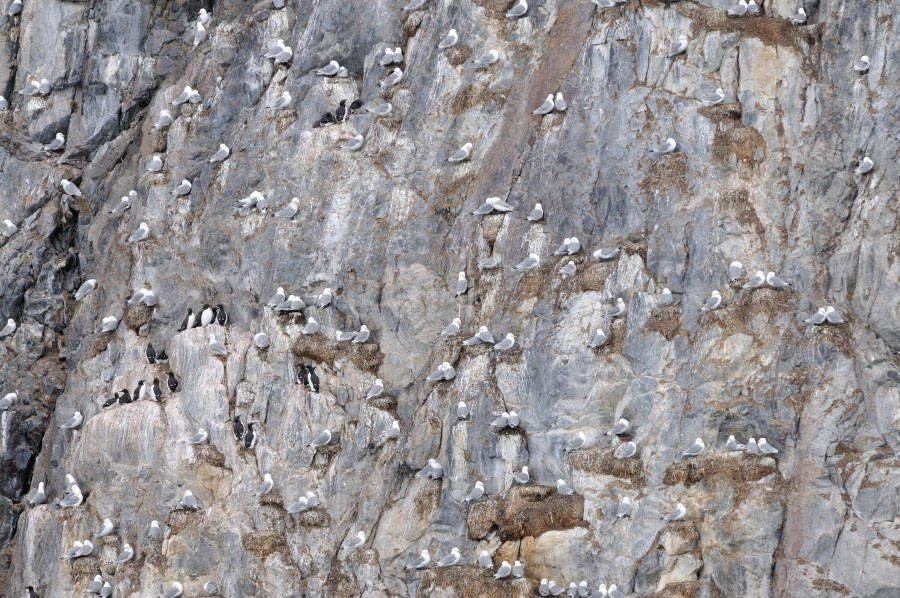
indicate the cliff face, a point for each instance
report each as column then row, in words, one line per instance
column 765, row 178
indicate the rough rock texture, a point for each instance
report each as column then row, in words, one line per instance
column 765, row 178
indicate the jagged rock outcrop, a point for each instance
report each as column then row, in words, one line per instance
column 765, row 178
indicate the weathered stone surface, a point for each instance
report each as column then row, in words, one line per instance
column 765, row 178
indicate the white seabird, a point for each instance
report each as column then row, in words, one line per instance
column 356, row 541
column 522, row 477
column 618, row 310
column 461, row 154
column 9, row 328
column 733, row 445
column 85, row 289
column 70, row 188
column 322, row 439
column 154, row 164
column 679, row 47
column 560, row 102
column 714, row 301
column 506, row 343
column 452, row 329
column 474, row 492
column 757, row 280
column 353, row 144
column 189, row 501
column 624, row 508
column 518, row 9
column 606, row 253
column 865, row 165
column 449, row 40
column 141, row 233
column 576, row 442
column 362, row 336
column 126, row 554
column 215, row 346
column 598, row 339
column 529, row 263
column 222, row 153
column 451, row 559
column 624, row 451
column 58, row 143
column 621, row 427
column 739, row 9
column 109, row 324
column 393, row 79
column 735, row 270
column 693, row 450
column 765, row 448
column 666, row 147
column 311, row 326
column 283, row 101
column 862, row 65
column 324, row 299
column 376, row 389
column 831, row 314
column 715, row 98
column 73, row 422
column 484, row 560
column 183, row 188
column 289, row 210
column 266, row 485
column 9, row 229
column 486, row 58
column 799, row 18
column 537, row 213
column 563, row 488
column 676, row 515
column 462, row 285
column 420, row 563
column 503, row 571
column 775, row 282
column 163, row 120
column 462, row 410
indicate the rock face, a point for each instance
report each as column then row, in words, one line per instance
column 766, row 178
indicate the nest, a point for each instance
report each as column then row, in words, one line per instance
column 665, row 320
column 525, row 511
column 472, row 581
column 735, row 467
column 321, row 349
column 602, row 461
column 263, row 544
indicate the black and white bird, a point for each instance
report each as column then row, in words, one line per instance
column 251, row 437
column 139, row 392
column 111, row 401
column 238, row 428
column 150, row 354
column 208, row 315
column 124, row 397
column 172, row 382
column 156, row 390
column 221, row 316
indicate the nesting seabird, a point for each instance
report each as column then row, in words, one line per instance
column 765, row 448
column 461, row 154
column 755, row 281
column 451, row 559
column 199, row 34
column 624, row 451
column 865, row 165
column 862, row 65
column 449, row 40
column 482, row 336
column 529, row 263
column 679, row 47
column 624, row 508
column 462, row 285
column 15, row 7
column 251, row 437
column 693, row 450
column 376, row 389
column 506, row 343
column 208, row 315
column 775, row 282
column 105, row 529
column 484, row 560
column 73, row 422
column 125, row 555
column 503, row 570
column 183, row 188
column 289, row 210
column 560, row 102
column 666, row 147
column 521, row 477
column 311, row 326
column 714, row 301
column 9, row 328
column 501, row 420
column 518, row 9
column 576, row 442
column 667, row 298
column 324, row 299
column 832, row 315
column 222, row 153
column 799, row 17
column 474, row 492
column 420, row 563
column 362, row 336
column 486, row 58
column 715, row 98
column 9, row 229
column 172, row 382
column 489, row 263
column 393, row 79
column 676, row 515
column 353, row 144
column 174, row 590
column 216, row 347
column 124, row 203
column 211, row 588
column 738, row 10
column 598, row 339
column 72, row 499
column 189, row 501
column 199, row 437
column 563, row 488
column 266, row 485
column 95, row 586
column 733, row 445
column 380, row 109
column 735, row 270
column 618, row 310
column 70, row 188
column 622, row 426
column 38, row 496
column 58, row 143
column 356, row 541
column 452, row 329
column 282, row 101
column 163, row 120
column 462, row 410
column 606, row 253
column 537, row 213
column 322, row 439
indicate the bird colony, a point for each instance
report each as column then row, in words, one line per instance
column 478, row 298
